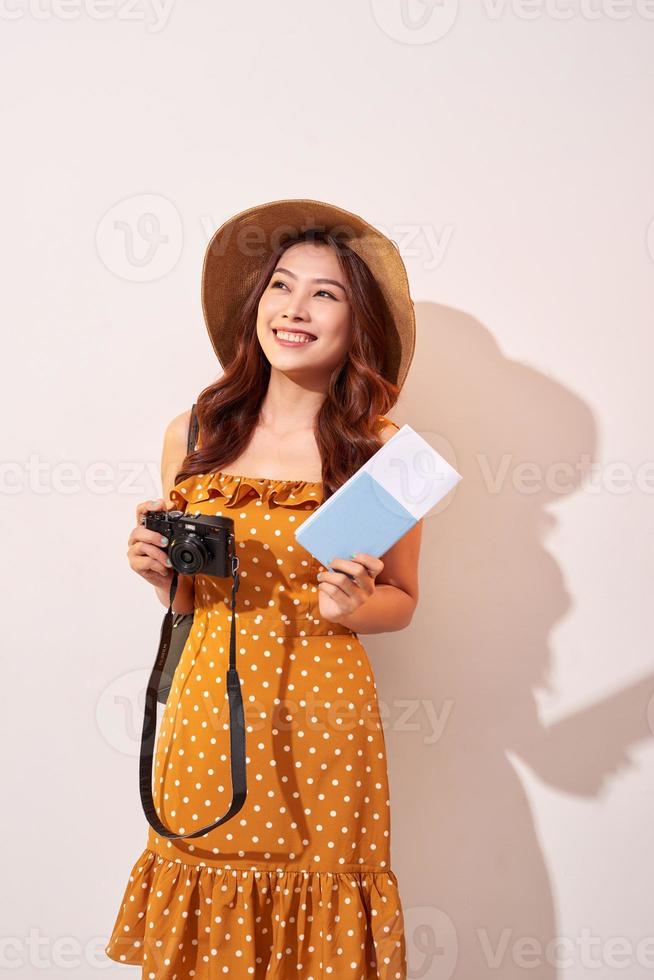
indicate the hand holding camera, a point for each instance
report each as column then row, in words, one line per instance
column 147, row 548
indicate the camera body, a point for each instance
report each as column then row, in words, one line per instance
column 196, row 544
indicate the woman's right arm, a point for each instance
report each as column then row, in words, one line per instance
column 172, row 457
column 145, row 549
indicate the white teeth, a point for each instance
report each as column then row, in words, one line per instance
column 295, row 337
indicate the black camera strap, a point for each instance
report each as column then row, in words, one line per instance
column 236, row 722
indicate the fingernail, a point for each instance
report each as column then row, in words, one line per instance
column 169, row 563
column 353, row 556
column 164, row 540
column 319, row 575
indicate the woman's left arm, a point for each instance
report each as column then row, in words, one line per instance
column 392, row 604
column 395, row 596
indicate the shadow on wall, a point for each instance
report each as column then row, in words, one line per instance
column 456, row 689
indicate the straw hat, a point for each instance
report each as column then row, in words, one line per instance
column 239, row 248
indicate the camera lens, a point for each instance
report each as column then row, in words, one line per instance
column 188, row 555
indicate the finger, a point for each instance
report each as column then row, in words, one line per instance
column 355, row 571
column 351, row 570
column 345, row 603
column 355, row 567
column 144, row 563
column 137, row 553
column 142, row 548
column 352, row 576
column 146, row 505
column 142, row 533
column 371, row 564
column 339, row 581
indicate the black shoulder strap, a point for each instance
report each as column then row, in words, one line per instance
column 192, row 430
column 237, row 740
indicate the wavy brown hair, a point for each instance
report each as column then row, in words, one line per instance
column 346, row 428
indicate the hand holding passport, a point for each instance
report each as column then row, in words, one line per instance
column 379, row 503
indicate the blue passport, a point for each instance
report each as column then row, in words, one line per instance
column 379, row 503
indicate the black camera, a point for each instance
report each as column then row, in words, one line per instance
column 196, row 544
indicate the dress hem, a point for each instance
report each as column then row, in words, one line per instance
column 181, row 920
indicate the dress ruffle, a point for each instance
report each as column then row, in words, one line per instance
column 236, row 489
column 184, row 920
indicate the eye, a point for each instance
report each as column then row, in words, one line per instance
column 280, row 282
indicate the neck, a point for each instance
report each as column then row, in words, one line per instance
column 290, row 406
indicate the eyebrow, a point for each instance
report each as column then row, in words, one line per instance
column 288, row 272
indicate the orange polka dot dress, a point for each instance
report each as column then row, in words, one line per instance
column 298, row 883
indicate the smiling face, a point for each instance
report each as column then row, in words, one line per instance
column 306, row 295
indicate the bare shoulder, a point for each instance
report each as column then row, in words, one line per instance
column 388, row 428
column 176, row 431
column 174, row 450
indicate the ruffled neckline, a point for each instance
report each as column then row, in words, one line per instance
column 237, row 487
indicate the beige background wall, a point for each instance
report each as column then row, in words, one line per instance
column 508, row 148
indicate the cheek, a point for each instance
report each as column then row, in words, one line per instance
column 342, row 334
column 268, row 306
column 262, row 311
column 335, row 325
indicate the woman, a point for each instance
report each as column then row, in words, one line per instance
column 309, row 312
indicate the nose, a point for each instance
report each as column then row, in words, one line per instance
column 295, row 308
column 293, row 316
